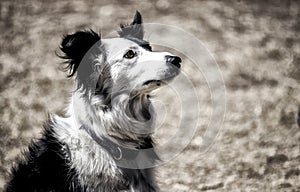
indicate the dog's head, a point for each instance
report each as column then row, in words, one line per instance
column 124, row 64
column 113, row 68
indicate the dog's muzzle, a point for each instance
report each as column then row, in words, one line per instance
column 174, row 60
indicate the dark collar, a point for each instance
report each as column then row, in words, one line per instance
column 118, row 152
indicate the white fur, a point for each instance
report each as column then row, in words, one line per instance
column 127, row 77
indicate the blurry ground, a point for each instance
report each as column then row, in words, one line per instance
column 256, row 45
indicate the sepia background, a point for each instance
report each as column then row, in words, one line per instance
column 255, row 43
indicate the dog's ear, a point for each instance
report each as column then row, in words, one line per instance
column 75, row 46
column 135, row 29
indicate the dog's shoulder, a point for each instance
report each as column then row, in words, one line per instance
column 44, row 167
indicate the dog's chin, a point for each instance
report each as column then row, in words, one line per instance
column 152, row 84
column 149, row 85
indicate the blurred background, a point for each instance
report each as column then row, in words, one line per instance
column 256, row 44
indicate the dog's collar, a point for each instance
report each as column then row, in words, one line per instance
column 118, row 152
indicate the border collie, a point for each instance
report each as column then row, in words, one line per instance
column 109, row 119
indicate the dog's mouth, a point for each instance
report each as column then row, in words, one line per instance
column 157, row 82
column 153, row 82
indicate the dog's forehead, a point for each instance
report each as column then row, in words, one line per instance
column 118, row 44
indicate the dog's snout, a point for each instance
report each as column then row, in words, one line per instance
column 173, row 60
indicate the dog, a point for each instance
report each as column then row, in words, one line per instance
column 109, row 118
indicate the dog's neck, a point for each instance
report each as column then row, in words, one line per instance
column 121, row 122
column 127, row 120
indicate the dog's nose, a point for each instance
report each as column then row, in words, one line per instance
column 173, row 60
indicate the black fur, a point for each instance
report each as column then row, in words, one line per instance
column 135, row 29
column 44, row 169
column 140, row 179
column 143, row 179
column 75, row 46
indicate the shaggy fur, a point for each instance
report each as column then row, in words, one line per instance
column 110, row 117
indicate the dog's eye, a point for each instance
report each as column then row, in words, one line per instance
column 129, row 54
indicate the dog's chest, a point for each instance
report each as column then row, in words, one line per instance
column 95, row 168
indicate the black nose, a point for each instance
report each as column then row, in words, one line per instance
column 173, row 60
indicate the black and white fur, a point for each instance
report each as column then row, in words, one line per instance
column 110, row 105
